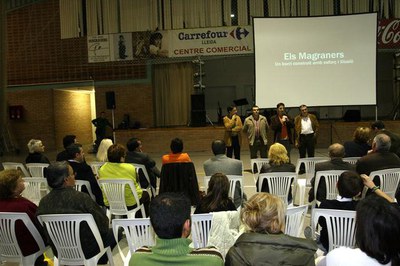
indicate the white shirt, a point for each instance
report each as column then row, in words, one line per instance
column 306, row 126
column 349, row 256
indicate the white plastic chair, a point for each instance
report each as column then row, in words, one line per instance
column 35, row 188
column 18, row 166
column 114, row 190
column 279, row 183
column 233, row 179
column 201, row 225
column 331, row 178
column 309, row 165
column 37, row 169
column 138, row 232
column 340, row 226
column 63, row 230
column 95, row 167
column 389, row 180
column 258, row 163
column 295, row 220
column 141, row 167
column 351, row 160
column 9, row 248
column 84, row 183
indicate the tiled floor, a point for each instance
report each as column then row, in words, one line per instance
column 198, row 158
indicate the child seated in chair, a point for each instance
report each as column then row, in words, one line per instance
column 349, row 186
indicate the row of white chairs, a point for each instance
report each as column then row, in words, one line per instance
column 63, row 229
column 29, row 169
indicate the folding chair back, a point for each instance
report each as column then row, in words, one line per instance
column 141, row 168
column 295, row 220
column 278, row 183
column 201, row 225
column 63, row 230
column 84, row 183
column 18, row 166
column 10, row 250
column 114, row 190
column 340, row 226
column 309, row 166
column 138, row 232
column 35, row 188
column 389, row 180
column 37, row 169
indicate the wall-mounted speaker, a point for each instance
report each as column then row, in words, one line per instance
column 110, row 99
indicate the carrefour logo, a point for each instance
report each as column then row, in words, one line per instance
column 239, row 33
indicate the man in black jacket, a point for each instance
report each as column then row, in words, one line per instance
column 84, row 171
column 136, row 155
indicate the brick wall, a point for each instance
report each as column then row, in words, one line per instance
column 38, row 118
column 36, row 54
column 72, row 117
column 135, row 100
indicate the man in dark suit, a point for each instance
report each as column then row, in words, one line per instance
column 336, row 153
column 83, row 171
column 379, row 158
column 379, row 128
column 67, row 140
column 225, row 165
column 135, row 155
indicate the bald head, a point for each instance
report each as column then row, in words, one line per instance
column 381, row 142
column 336, row 150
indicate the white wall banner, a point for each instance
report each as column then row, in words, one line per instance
column 98, row 48
column 211, row 41
column 172, row 43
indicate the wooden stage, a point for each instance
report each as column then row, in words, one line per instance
column 200, row 138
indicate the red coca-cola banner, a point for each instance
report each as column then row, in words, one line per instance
column 389, row 34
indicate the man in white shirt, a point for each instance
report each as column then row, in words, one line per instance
column 306, row 131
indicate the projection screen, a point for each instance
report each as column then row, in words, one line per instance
column 318, row 61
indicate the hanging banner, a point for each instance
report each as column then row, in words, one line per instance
column 211, row 41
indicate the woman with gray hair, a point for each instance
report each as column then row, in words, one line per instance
column 264, row 242
column 36, row 149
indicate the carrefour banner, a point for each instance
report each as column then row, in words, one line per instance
column 211, row 41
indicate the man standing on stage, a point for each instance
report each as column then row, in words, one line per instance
column 282, row 126
column 101, row 124
column 306, row 131
column 256, row 127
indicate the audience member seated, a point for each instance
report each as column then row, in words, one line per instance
column 11, row 187
column 67, row 140
column 379, row 158
column 170, row 218
column 377, row 236
column 349, row 186
column 176, row 155
column 225, row 165
column 336, row 154
column 359, row 146
column 217, row 198
column 83, row 171
column 36, row 149
column 379, row 128
column 101, row 154
column 136, row 155
column 118, row 169
column 64, row 199
column 264, row 242
column 278, row 162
